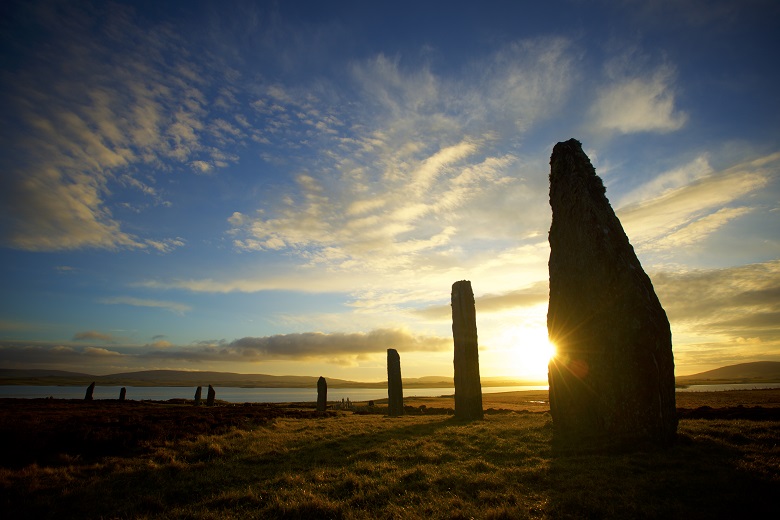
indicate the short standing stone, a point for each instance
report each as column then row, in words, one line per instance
column 122, row 393
column 210, row 396
column 198, row 395
column 90, row 390
column 395, row 391
column 468, row 388
column 322, row 394
column 612, row 380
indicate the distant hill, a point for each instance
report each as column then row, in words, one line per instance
column 756, row 372
column 188, row 378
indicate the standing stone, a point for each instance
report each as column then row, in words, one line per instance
column 612, row 380
column 395, row 391
column 198, row 395
column 210, row 396
column 322, row 394
column 468, row 389
column 90, row 390
column 122, row 393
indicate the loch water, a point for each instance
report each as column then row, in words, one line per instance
column 283, row 395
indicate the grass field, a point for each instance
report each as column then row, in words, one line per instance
column 277, row 462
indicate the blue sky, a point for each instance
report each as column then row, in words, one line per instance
column 293, row 187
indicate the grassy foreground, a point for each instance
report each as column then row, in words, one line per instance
column 348, row 465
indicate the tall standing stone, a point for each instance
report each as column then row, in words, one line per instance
column 122, row 393
column 198, row 395
column 612, row 380
column 90, row 390
column 210, row 396
column 322, row 394
column 395, row 391
column 468, row 388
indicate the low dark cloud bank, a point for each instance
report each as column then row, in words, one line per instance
column 738, row 302
column 333, row 347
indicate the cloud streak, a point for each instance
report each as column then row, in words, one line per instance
column 176, row 308
column 688, row 213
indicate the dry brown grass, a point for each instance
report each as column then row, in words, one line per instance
column 425, row 466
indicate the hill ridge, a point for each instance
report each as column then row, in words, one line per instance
column 754, row 371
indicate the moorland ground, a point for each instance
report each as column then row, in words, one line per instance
column 106, row 459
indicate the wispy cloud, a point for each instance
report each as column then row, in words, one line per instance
column 409, row 179
column 89, row 115
column 177, row 308
column 166, row 245
column 688, row 212
column 667, row 181
column 637, row 99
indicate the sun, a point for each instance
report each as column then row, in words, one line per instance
column 526, row 351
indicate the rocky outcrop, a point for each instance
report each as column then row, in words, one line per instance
column 612, row 380
column 395, row 391
column 468, row 388
column 322, row 394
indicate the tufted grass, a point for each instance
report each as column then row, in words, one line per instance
column 370, row 466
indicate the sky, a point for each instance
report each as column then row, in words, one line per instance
column 293, row 187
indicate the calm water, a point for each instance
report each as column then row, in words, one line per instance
column 282, row 395
column 233, row 394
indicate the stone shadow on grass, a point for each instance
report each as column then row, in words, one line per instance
column 695, row 478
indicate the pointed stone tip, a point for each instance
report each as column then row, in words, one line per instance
column 572, row 145
column 569, row 161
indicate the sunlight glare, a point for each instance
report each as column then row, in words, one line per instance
column 529, row 351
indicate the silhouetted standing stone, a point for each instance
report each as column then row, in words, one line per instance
column 322, row 394
column 198, row 395
column 210, row 396
column 122, row 393
column 612, row 380
column 90, row 390
column 395, row 391
column 468, row 388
